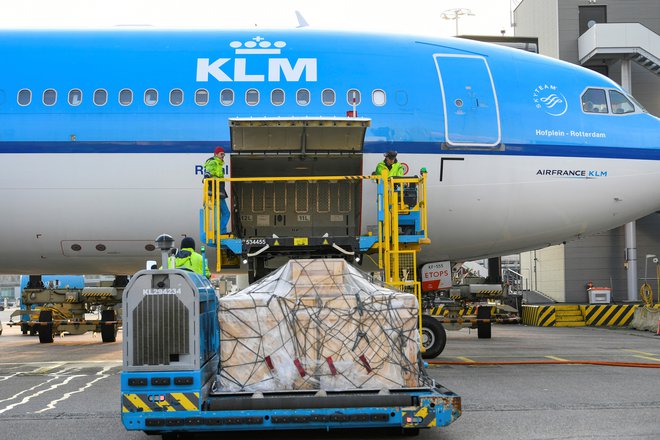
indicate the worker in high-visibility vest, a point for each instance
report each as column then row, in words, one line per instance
column 215, row 167
column 188, row 258
column 393, row 167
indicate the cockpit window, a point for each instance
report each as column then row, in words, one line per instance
column 594, row 101
column 620, row 104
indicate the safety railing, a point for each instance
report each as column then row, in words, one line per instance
column 401, row 204
column 325, row 199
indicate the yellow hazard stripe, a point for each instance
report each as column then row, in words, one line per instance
column 165, row 404
column 425, row 418
column 543, row 316
column 185, row 402
column 137, row 402
column 171, row 402
column 489, row 292
column 613, row 315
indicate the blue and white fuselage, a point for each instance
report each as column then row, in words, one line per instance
column 102, row 135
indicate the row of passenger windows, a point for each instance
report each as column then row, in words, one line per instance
column 202, row 97
column 595, row 101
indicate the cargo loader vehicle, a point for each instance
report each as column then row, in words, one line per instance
column 196, row 363
column 55, row 305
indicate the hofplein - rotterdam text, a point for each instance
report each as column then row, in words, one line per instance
column 571, row 133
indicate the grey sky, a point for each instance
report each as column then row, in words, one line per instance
column 414, row 17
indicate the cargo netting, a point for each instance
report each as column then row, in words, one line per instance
column 318, row 324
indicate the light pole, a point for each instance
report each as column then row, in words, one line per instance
column 455, row 14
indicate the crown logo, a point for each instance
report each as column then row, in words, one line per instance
column 257, row 46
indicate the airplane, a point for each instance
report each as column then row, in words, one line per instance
column 103, row 134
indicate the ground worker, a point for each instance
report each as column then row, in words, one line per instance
column 393, row 167
column 188, row 258
column 214, row 167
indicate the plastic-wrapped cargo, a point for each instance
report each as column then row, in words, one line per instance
column 318, row 324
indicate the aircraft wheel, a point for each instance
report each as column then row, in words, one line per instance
column 46, row 330
column 483, row 328
column 434, row 337
column 108, row 331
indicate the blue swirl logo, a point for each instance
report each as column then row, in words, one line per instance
column 550, row 100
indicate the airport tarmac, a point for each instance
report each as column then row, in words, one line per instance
column 70, row 389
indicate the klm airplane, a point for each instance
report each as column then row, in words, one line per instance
column 103, row 135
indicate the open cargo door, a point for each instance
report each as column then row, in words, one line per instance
column 282, row 148
column 298, row 135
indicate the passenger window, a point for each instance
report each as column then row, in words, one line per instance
column 201, row 97
column 227, row 97
column 176, row 97
column 620, row 104
column 50, row 97
column 328, row 97
column 593, row 101
column 252, row 97
column 353, row 97
column 100, row 97
column 125, row 97
column 151, row 97
column 302, row 97
column 24, row 97
column 277, row 97
column 75, row 97
column 378, row 97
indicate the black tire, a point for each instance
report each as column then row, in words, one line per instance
column 25, row 329
column 108, row 331
column 483, row 328
column 434, row 337
column 410, row 432
column 46, row 330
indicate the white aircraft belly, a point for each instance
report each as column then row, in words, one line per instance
column 485, row 205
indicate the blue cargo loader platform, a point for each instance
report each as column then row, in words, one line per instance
column 170, row 362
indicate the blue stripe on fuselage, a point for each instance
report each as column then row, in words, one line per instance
column 369, row 147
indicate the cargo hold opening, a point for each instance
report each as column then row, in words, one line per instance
column 297, row 147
